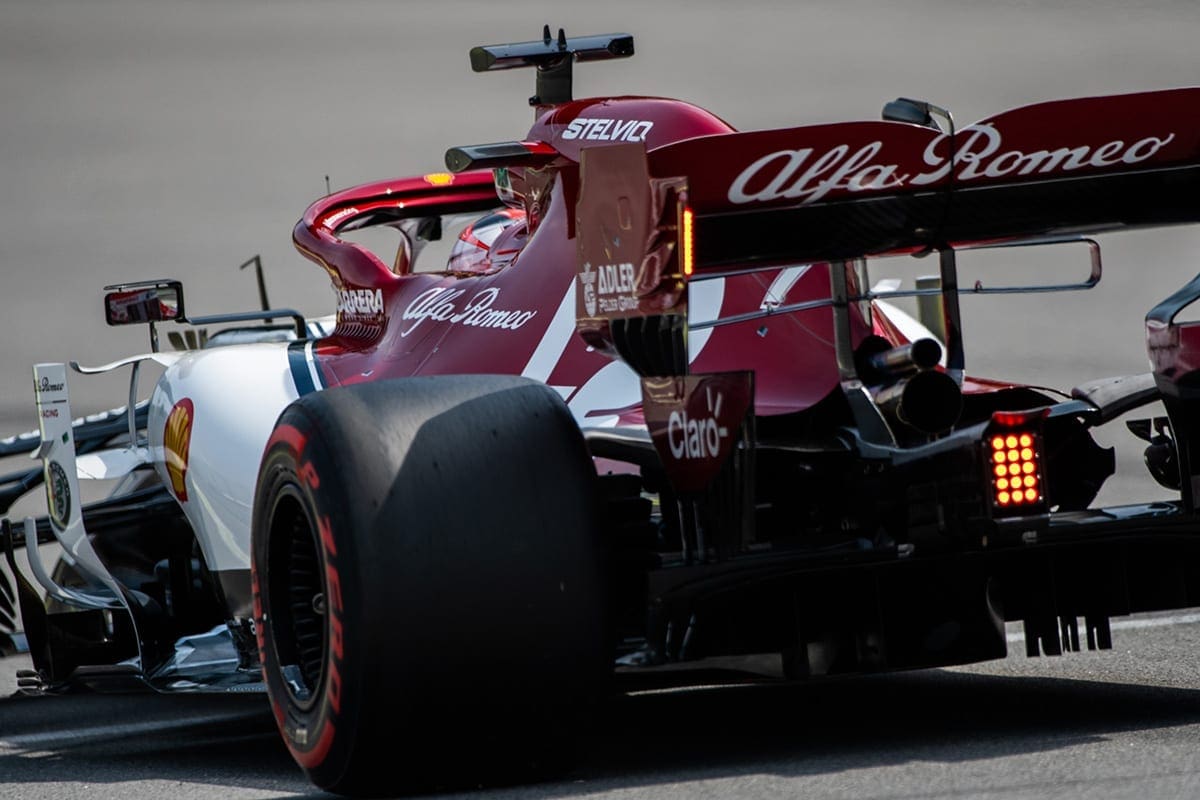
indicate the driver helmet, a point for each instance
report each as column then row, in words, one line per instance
column 472, row 251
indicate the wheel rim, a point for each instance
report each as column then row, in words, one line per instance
column 295, row 602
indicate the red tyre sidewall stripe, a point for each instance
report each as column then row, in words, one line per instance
column 312, row 757
column 289, row 435
column 260, row 635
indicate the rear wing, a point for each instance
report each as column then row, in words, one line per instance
column 648, row 223
column 849, row 190
column 757, row 200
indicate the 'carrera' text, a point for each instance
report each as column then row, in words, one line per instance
column 360, row 302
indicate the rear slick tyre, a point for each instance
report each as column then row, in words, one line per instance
column 429, row 582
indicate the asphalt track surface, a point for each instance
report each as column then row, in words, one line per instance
column 1118, row 724
column 149, row 139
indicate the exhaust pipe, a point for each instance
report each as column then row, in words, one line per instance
column 906, row 359
column 929, row 401
column 906, row 386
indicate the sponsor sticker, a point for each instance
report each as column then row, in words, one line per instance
column 58, row 495
column 587, row 284
column 596, row 129
column 694, row 421
column 608, row 288
column 808, row 176
column 333, row 219
column 442, row 304
column 44, row 386
column 364, row 306
column 439, row 178
column 177, row 439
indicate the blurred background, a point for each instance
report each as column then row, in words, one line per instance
column 144, row 139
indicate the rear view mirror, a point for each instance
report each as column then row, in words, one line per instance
column 149, row 301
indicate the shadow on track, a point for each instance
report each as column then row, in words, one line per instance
column 636, row 741
column 827, row 728
column 214, row 739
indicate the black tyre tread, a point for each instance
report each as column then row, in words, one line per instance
column 474, row 579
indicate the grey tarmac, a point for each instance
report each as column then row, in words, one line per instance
column 1118, row 724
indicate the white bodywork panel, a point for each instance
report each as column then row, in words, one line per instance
column 107, row 465
column 237, row 393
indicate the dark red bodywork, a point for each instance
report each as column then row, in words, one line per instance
column 860, row 188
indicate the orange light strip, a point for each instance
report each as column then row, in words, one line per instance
column 687, row 241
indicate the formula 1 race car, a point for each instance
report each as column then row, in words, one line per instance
column 650, row 410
